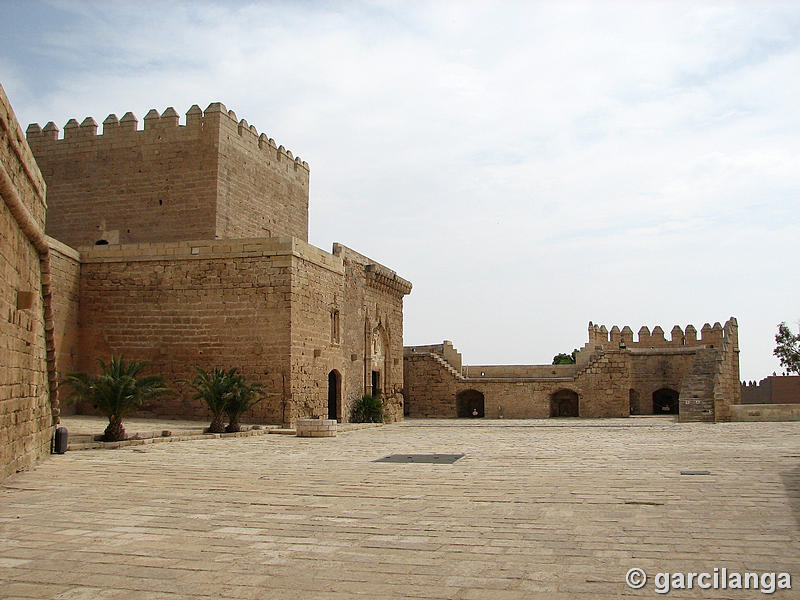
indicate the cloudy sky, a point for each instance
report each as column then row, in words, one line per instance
column 529, row 166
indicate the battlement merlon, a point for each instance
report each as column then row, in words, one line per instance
column 710, row 336
column 376, row 274
column 198, row 122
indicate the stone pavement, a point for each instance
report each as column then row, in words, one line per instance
column 536, row 509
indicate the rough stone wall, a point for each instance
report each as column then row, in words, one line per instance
column 372, row 313
column 26, row 419
column 176, row 305
column 652, row 370
column 784, row 389
column 316, row 290
column 210, row 178
column 727, row 389
column 262, row 189
column 614, row 377
column 517, row 371
column 429, row 388
column 604, row 385
column 760, row 393
column 65, row 275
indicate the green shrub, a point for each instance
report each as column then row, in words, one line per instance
column 368, row 410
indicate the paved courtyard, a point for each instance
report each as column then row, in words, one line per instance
column 535, row 509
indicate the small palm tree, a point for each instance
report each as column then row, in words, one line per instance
column 244, row 397
column 216, row 388
column 116, row 392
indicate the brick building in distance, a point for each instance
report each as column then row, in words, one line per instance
column 186, row 245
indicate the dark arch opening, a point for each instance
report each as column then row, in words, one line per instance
column 101, row 243
column 665, row 402
column 470, row 404
column 334, row 394
column 564, row 403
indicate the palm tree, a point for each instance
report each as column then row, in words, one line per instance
column 245, row 396
column 216, row 388
column 116, row 392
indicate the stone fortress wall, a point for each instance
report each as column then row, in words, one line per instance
column 26, row 325
column 614, row 376
column 203, row 261
column 782, row 389
column 213, row 178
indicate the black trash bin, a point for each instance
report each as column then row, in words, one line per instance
column 60, row 441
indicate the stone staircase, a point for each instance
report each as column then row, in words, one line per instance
column 697, row 389
column 446, row 365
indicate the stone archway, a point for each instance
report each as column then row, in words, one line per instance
column 665, row 402
column 378, row 374
column 470, row 404
column 334, row 394
column 564, row 403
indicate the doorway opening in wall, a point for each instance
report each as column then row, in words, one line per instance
column 564, row 403
column 470, row 404
column 376, row 384
column 665, row 402
column 334, row 394
column 633, row 401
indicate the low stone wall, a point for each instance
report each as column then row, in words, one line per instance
column 765, row 412
column 316, row 427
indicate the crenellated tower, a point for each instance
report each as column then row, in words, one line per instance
column 214, row 177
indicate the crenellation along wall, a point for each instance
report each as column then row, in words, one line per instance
column 262, row 188
column 609, row 380
column 709, row 336
column 210, row 178
column 26, row 416
column 781, row 389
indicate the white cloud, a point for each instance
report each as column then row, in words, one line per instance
column 529, row 166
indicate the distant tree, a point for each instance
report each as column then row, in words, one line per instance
column 565, row 359
column 788, row 348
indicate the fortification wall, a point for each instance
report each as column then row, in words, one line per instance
column 316, row 290
column 262, row 188
column 445, row 350
column 610, row 379
column 784, row 389
column 65, row 275
column 372, row 329
column 727, row 389
column 185, row 304
column 710, row 336
column 213, row 177
column 429, row 388
column 518, row 371
column 651, row 371
column 26, row 418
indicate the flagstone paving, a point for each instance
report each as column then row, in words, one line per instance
column 535, row 509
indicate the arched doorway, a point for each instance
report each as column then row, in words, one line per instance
column 665, row 402
column 378, row 373
column 334, row 394
column 564, row 403
column 470, row 403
